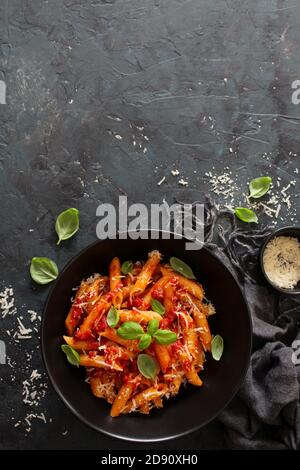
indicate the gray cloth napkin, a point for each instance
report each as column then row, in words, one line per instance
column 265, row 414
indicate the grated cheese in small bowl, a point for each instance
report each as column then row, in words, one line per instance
column 280, row 260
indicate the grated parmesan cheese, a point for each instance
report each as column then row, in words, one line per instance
column 281, row 261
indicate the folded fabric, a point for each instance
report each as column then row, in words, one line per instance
column 265, row 414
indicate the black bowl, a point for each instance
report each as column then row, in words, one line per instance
column 287, row 232
column 193, row 407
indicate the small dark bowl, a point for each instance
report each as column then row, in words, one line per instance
column 193, row 407
column 288, row 232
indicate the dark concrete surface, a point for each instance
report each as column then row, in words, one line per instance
column 90, row 85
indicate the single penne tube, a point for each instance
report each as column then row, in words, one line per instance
column 201, row 322
column 115, row 274
column 115, row 282
column 75, row 313
column 145, row 396
column 189, row 285
column 97, row 361
column 193, row 377
column 145, row 276
column 188, row 367
column 79, row 307
column 162, row 355
column 94, row 316
column 122, row 398
column 138, row 315
column 169, row 292
column 191, row 338
column 156, row 287
column 87, row 345
column 111, row 334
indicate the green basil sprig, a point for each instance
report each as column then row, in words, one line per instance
column 127, row 267
column 145, row 341
column 165, row 337
column 133, row 330
column 72, row 355
column 43, row 270
column 130, row 330
column 181, row 267
column 258, row 187
column 217, row 347
column 148, row 366
column 153, row 326
column 67, row 224
column 246, row 215
column 157, row 306
column 113, row 317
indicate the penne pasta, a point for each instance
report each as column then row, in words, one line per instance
column 137, row 366
column 144, row 277
column 189, row 285
column 92, row 320
column 115, row 281
column 97, row 361
column 103, row 386
column 111, row 334
column 159, row 285
column 144, row 397
column 201, row 322
column 85, row 299
column 162, row 355
column 121, row 399
column 88, row 345
column 189, row 368
column 138, row 315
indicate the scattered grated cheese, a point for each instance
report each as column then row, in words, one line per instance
column 7, row 302
column 183, row 182
column 230, row 193
column 161, row 181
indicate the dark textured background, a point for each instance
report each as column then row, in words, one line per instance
column 80, row 73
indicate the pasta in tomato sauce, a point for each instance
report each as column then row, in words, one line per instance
column 140, row 332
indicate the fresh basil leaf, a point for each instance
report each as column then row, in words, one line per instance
column 113, row 317
column 181, row 267
column 127, row 267
column 145, row 341
column 130, row 330
column 148, row 366
column 217, row 347
column 43, row 270
column 165, row 337
column 157, row 306
column 258, row 187
column 246, row 215
column 72, row 355
column 67, row 224
column 152, row 326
